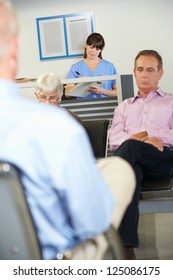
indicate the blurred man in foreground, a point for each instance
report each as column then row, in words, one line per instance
column 68, row 198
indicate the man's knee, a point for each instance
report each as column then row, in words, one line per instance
column 120, row 177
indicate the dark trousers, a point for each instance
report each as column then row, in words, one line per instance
column 147, row 161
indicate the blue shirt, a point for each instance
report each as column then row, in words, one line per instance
column 104, row 68
column 68, row 198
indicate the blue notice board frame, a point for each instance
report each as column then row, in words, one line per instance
column 63, row 36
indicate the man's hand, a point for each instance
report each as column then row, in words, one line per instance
column 141, row 136
column 156, row 142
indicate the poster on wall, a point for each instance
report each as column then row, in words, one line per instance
column 63, row 36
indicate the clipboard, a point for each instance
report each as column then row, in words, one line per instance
column 82, row 89
column 84, row 83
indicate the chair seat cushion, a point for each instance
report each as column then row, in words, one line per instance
column 157, row 184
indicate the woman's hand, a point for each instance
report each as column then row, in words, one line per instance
column 100, row 90
column 97, row 90
column 70, row 87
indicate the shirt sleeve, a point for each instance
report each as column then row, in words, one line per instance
column 116, row 133
column 166, row 135
column 114, row 72
column 72, row 72
column 89, row 201
column 85, row 197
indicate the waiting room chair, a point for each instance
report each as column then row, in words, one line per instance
column 116, row 248
column 97, row 132
column 157, row 196
column 18, row 237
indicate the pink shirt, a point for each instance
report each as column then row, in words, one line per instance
column 153, row 114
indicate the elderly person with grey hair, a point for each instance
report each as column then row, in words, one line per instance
column 49, row 88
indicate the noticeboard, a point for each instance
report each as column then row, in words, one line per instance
column 63, row 36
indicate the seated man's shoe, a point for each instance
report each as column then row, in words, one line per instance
column 129, row 253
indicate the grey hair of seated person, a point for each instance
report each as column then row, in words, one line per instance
column 49, row 82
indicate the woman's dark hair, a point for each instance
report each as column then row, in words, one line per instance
column 150, row 53
column 96, row 40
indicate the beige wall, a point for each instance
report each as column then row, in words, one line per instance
column 128, row 26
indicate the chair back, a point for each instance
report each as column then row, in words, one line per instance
column 97, row 132
column 18, row 238
column 149, row 185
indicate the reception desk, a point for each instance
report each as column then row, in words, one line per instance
column 99, row 108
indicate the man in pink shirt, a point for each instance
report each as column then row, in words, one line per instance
column 142, row 133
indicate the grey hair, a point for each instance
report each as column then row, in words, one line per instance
column 49, row 82
column 8, row 25
column 152, row 53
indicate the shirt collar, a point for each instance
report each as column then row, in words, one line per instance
column 157, row 91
